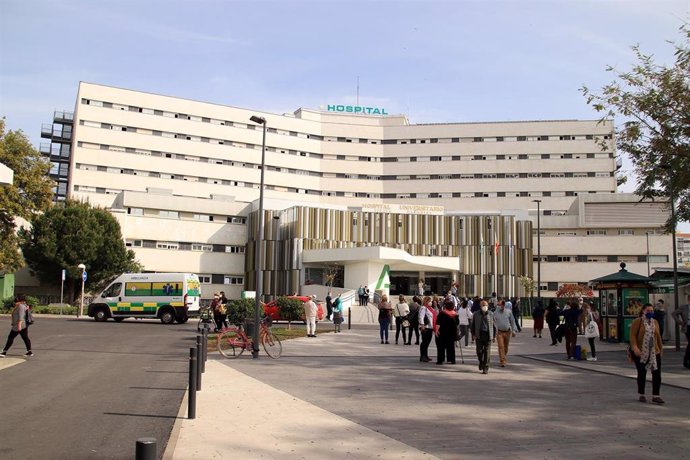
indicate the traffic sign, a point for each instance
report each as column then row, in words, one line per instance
column 83, row 276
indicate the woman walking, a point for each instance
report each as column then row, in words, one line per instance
column 427, row 320
column 571, row 317
column 385, row 311
column 446, row 329
column 414, row 320
column 20, row 326
column 591, row 331
column 645, row 342
column 538, row 316
column 553, row 314
column 464, row 319
column 401, row 311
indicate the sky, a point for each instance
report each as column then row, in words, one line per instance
column 434, row 61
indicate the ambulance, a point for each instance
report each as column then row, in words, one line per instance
column 170, row 297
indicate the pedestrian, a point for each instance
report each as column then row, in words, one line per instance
column 21, row 317
column 414, row 320
column 446, row 331
column 337, row 314
column 224, row 314
column 310, row 311
column 591, row 331
column 401, row 311
column 599, row 321
column 660, row 316
column 427, row 320
column 360, row 294
column 385, row 311
column 646, row 345
column 581, row 319
column 365, row 297
column 464, row 319
column 483, row 335
column 553, row 314
column 420, row 288
column 682, row 317
column 571, row 317
column 538, row 316
column 329, row 305
column 217, row 315
column 517, row 313
column 505, row 329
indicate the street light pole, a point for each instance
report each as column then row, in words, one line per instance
column 81, row 304
column 648, row 271
column 538, row 249
column 259, row 242
column 675, row 267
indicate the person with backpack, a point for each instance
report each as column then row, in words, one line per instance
column 21, row 318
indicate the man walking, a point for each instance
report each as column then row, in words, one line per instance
column 329, row 305
column 310, row 316
column 682, row 317
column 483, row 335
column 505, row 329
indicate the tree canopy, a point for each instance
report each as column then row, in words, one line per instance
column 76, row 233
column 653, row 102
column 29, row 194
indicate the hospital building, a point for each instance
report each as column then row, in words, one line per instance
column 354, row 193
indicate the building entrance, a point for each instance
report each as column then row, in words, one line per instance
column 406, row 283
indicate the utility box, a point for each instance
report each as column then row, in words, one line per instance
column 7, row 286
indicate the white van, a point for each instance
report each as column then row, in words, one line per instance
column 169, row 297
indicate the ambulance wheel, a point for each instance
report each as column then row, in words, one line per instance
column 119, row 319
column 167, row 316
column 100, row 315
column 182, row 320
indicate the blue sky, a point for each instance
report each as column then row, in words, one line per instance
column 435, row 61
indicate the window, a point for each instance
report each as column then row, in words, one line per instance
column 567, row 234
column 234, row 280
column 202, row 247
column 205, row 279
column 626, row 232
column 234, row 249
column 167, row 245
column 169, row 214
column 596, row 232
column 658, row 259
column 133, row 243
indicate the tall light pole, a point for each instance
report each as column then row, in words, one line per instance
column 83, row 280
column 538, row 249
column 648, row 271
column 259, row 241
column 675, row 267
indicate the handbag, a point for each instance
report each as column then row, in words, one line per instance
column 592, row 329
column 405, row 321
column 29, row 316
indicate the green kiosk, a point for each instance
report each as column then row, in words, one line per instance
column 621, row 296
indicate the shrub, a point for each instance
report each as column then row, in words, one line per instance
column 8, row 303
column 290, row 309
column 239, row 310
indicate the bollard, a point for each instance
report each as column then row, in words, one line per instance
column 349, row 318
column 204, row 335
column 146, row 449
column 191, row 397
column 199, row 361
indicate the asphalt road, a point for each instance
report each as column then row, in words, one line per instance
column 92, row 389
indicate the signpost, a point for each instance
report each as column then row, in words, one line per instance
column 62, row 290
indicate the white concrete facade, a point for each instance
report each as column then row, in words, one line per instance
column 181, row 173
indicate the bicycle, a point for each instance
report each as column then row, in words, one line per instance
column 233, row 341
column 205, row 319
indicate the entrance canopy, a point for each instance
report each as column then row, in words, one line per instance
column 397, row 259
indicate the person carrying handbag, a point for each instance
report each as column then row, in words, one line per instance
column 591, row 332
column 401, row 322
column 21, row 315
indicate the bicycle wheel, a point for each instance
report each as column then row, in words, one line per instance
column 229, row 344
column 271, row 344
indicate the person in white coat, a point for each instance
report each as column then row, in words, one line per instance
column 464, row 318
column 310, row 311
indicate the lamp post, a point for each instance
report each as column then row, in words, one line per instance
column 259, row 239
column 648, row 271
column 675, row 267
column 83, row 280
column 538, row 249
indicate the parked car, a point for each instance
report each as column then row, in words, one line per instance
column 271, row 308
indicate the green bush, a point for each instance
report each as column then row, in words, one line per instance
column 240, row 309
column 8, row 303
column 290, row 309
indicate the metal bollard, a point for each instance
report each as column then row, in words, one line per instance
column 147, row 449
column 349, row 317
column 191, row 397
column 205, row 337
column 199, row 361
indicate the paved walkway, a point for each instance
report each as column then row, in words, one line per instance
column 346, row 396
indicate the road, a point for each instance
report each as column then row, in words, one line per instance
column 93, row 388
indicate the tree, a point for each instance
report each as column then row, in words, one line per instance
column 654, row 101
column 73, row 234
column 240, row 310
column 290, row 309
column 29, row 195
column 572, row 291
column 529, row 285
